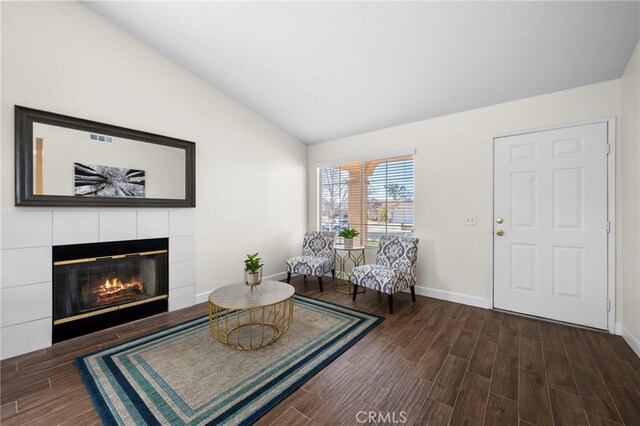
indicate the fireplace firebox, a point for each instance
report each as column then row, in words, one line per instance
column 96, row 286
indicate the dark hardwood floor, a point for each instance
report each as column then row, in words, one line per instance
column 432, row 362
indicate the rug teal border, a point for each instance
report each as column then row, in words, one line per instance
column 108, row 419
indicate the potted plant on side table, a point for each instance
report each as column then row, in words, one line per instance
column 252, row 270
column 348, row 234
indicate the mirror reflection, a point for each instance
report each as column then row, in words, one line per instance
column 78, row 163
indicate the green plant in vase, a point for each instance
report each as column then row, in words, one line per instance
column 253, row 269
column 348, row 234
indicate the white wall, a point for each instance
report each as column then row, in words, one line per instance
column 251, row 176
column 453, row 177
column 630, row 195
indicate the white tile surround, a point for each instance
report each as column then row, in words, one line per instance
column 26, row 269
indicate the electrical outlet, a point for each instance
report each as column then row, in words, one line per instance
column 470, row 220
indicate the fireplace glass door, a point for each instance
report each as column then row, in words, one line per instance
column 88, row 286
column 100, row 285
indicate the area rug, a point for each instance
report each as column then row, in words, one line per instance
column 182, row 376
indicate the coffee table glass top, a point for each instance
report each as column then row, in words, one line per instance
column 239, row 296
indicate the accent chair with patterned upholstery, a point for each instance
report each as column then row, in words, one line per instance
column 394, row 270
column 317, row 256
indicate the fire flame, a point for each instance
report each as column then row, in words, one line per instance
column 116, row 288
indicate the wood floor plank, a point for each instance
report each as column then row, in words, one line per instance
column 338, row 402
column 623, row 351
column 49, row 408
column 632, row 372
column 447, row 384
column 483, row 356
column 43, row 368
column 530, row 328
column 609, row 367
column 533, row 398
column 8, row 410
column 470, row 406
column 72, row 382
column 432, row 361
column 594, row 394
column 476, row 319
column 357, row 414
column 575, row 348
column 509, row 341
column 491, row 327
column 277, row 411
column 406, row 396
column 69, row 413
column 8, row 368
column 465, row 343
column 558, row 370
column 438, row 321
column 567, row 409
column 419, row 345
column 500, row 411
column 627, row 402
column 24, row 358
column 390, row 383
column 550, row 337
column 88, row 418
column 531, row 354
column 511, row 322
column 16, row 390
column 291, row 417
column 599, row 421
column 505, row 376
column 407, row 334
column 399, row 323
column 432, row 413
column 450, row 332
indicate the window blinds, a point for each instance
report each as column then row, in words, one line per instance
column 375, row 196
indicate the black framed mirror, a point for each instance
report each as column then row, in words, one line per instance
column 64, row 161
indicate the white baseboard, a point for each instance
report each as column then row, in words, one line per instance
column 618, row 329
column 203, row 297
column 629, row 338
column 480, row 302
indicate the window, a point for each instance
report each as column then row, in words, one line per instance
column 374, row 196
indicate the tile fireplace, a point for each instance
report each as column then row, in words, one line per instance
column 100, row 285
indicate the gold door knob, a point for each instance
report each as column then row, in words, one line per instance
column 499, row 220
column 499, row 232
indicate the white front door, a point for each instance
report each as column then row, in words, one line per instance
column 550, row 224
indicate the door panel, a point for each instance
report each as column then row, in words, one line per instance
column 523, row 199
column 568, row 199
column 550, row 189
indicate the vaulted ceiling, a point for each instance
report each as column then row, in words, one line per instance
column 325, row 70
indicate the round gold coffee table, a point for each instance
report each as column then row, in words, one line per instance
column 250, row 320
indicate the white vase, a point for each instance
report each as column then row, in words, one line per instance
column 253, row 278
column 348, row 243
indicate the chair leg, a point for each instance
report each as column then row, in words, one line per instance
column 413, row 294
column 305, row 277
column 288, row 277
column 355, row 291
column 391, row 304
column 320, row 282
column 333, row 274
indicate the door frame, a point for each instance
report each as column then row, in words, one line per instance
column 611, row 209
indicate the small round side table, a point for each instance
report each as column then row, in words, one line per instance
column 345, row 257
column 250, row 320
